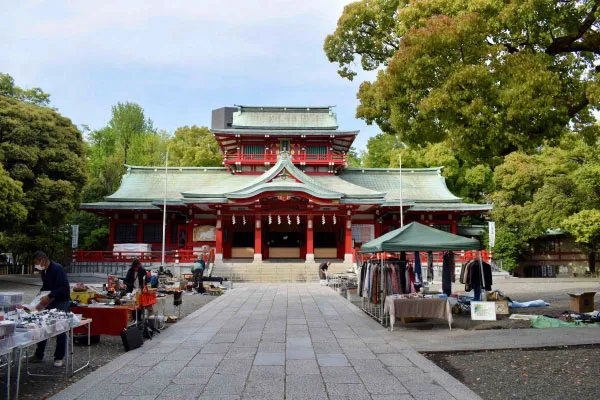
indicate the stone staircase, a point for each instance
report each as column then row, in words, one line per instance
column 273, row 272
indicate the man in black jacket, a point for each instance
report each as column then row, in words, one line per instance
column 56, row 282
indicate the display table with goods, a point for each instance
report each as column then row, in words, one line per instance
column 24, row 328
column 399, row 306
column 390, row 282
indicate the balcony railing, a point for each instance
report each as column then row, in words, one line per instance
column 296, row 158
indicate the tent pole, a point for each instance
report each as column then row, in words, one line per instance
column 481, row 272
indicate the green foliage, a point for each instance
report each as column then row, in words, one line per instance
column 128, row 124
column 584, row 226
column 353, row 158
column 194, row 146
column 508, row 247
column 33, row 96
column 485, row 77
column 43, row 172
column 93, row 230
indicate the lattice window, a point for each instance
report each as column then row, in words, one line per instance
column 125, row 233
column 316, row 150
column 254, row 149
column 363, row 233
column 152, row 233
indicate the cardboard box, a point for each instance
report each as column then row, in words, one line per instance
column 582, row 302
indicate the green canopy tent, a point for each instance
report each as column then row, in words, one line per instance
column 419, row 237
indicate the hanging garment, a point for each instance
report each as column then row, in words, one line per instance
column 402, row 275
column 446, row 275
column 418, row 272
column 452, row 267
column 411, row 279
column 394, row 277
column 429, row 267
column 402, row 256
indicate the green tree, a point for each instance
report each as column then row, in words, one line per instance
column 43, row 153
column 128, row 123
column 485, row 77
column 194, row 146
column 354, row 158
column 33, row 96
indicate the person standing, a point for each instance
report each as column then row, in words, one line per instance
column 135, row 276
column 323, row 269
column 56, row 282
column 198, row 271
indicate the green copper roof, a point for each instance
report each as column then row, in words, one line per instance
column 424, row 189
column 249, row 117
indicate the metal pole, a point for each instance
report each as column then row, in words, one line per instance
column 401, row 202
column 164, row 227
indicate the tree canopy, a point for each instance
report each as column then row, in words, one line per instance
column 43, row 171
column 33, row 96
column 485, row 77
column 194, row 146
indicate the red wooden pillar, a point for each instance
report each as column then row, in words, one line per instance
column 219, row 240
column 310, row 245
column 140, row 231
column 348, row 240
column 258, row 238
column 454, row 228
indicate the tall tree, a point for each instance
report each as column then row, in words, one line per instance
column 128, row 123
column 194, row 146
column 34, row 95
column 485, row 77
column 43, row 152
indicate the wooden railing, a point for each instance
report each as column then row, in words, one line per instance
column 172, row 256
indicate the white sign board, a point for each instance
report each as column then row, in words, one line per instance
column 483, row 311
column 492, row 233
column 75, row 237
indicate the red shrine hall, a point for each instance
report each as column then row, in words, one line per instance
column 284, row 192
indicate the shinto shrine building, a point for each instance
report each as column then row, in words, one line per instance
column 283, row 192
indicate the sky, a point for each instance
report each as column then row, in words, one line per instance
column 178, row 59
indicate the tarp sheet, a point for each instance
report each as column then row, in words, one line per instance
column 419, row 237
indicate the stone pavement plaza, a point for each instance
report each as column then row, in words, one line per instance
column 272, row 341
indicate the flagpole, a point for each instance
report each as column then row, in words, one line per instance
column 401, row 202
column 164, row 227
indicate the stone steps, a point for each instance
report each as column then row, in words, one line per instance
column 273, row 272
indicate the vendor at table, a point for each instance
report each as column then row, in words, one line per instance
column 135, row 278
column 56, row 282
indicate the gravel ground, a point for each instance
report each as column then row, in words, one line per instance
column 542, row 374
column 109, row 348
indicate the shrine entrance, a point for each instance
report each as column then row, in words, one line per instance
column 284, row 237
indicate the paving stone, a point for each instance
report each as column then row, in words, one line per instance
column 359, row 354
column 224, row 338
column 300, row 354
column 206, row 360
column 301, row 367
column 128, row 374
column 393, row 387
column 213, row 396
column 108, row 391
column 406, row 374
column 194, row 375
column 345, row 391
column 269, row 359
column 216, row 348
column 266, row 373
column 241, row 353
column 225, row 384
column 340, row 375
column 235, row 367
column 392, row 397
column 181, row 392
column 304, row 387
column 146, row 397
column 327, row 348
column 271, row 347
column 264, row 390
column 180, row 355
column 332, row 360
column 296, row 321
column 395, row 360
column 148, row 360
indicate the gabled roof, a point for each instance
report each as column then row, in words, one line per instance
column 298, row 118
column 285, row 176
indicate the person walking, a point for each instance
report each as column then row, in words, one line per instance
column 56, row 282
column 198, row 270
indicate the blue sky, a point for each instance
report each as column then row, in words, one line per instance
column 177, row 59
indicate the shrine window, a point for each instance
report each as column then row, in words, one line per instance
column 125, row 233
column 316, row 150
column 152, row 233
column 254, row 149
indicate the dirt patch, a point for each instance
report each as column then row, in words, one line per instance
column 545, row 373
